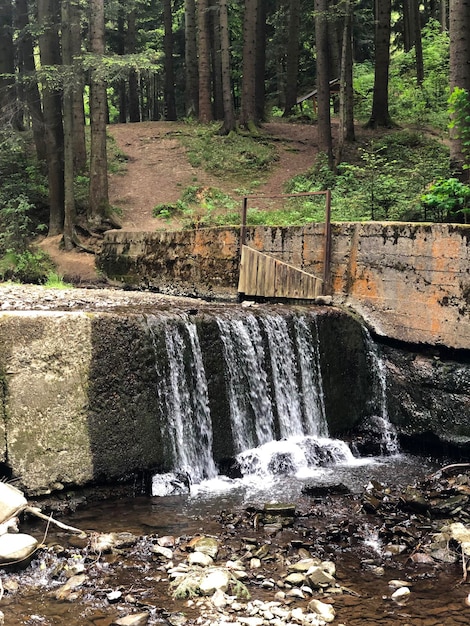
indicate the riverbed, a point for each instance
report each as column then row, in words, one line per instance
column 331, row 526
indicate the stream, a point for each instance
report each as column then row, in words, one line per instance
column 332, row 526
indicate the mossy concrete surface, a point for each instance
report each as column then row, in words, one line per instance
column 46, row 362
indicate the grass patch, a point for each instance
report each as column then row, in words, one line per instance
column 235, row 156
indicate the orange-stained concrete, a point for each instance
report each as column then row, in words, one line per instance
column 409, row 281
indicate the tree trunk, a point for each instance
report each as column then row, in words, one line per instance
column 68, row 117
column 98, row 206
column 229, row 113
column 121, row 50
column 204, row 66
column 27, row 68
column 190, row 55
column 169, row 86
column 380, row 115
column 346, row 92
column 8, row 103
column 325, row 142
column 260, row 94
column 292, row 64
column 218, row 107
column 79, row 143
column 49, row 47
column 134, row 108
column 459, row 28
column 248, row 100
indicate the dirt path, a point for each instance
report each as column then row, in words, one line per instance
column 158, row 170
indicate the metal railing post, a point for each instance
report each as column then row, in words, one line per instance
column 243, row 224
column 327, row 250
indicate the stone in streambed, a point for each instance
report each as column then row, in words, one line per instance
column 14, row 548
column 137, row 619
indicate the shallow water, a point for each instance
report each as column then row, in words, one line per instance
column 217, row 508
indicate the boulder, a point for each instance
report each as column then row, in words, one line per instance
column 15, row 548
column 11, row 501
column 137, row 619
column 325, row 611
column 214, row 580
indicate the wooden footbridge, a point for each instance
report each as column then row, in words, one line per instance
column 264, row 276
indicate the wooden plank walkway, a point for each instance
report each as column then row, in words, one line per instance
column 264, row 276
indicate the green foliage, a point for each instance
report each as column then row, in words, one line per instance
column 386, row 182
column 56, row 281
column 230, row 156
column 200, row 207
column 447, row 199
column 459, row 109
column 29, row 266
column 409, row 102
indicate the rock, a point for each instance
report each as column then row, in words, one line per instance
column 170, row 484
column 295, row 593
column 14, row 548
column 215, row 579
column 296, row 579
column 114, row 596
column 2, row 619
column 199, row 558
column 255, row 563
column 461, row 534
column 394, row 549
column 318, row 577
column 219, row 599
column 136, row 619
column 251, row 621
column 166, row 542
column 103, row 543
column 401, row 594
column 321, row 491
column 206, row 545
column 421, row 558
column 64, row 592
column 325, row 611
column 124, row 540
column 166, row 553
column 329, row 567
column 303, row 565
column 11, row 501
column 396, row 584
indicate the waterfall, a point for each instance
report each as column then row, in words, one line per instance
column 182, row 389
column 313, row 400
column 386, row 430
column 269, row 411
column 251, row 410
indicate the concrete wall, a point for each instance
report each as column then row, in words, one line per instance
column 411, row 282
column 82, row 393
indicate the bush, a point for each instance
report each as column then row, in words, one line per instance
column 447, row 200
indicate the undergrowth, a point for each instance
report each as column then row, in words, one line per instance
column 233, row 156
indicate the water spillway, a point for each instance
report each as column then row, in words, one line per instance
column 252, row 399
column 95, row 395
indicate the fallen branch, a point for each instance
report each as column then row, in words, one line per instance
column 37, row 512
column 449, row 467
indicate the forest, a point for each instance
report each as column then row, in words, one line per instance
column 69, row 69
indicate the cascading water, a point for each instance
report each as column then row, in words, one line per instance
column 251, row 410
column 183, row 393
column 389, row 438
column 274, row 391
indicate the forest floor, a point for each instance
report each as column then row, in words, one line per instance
column 157, row 170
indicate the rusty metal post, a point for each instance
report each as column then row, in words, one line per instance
column 243, row 224
column 327, row 250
